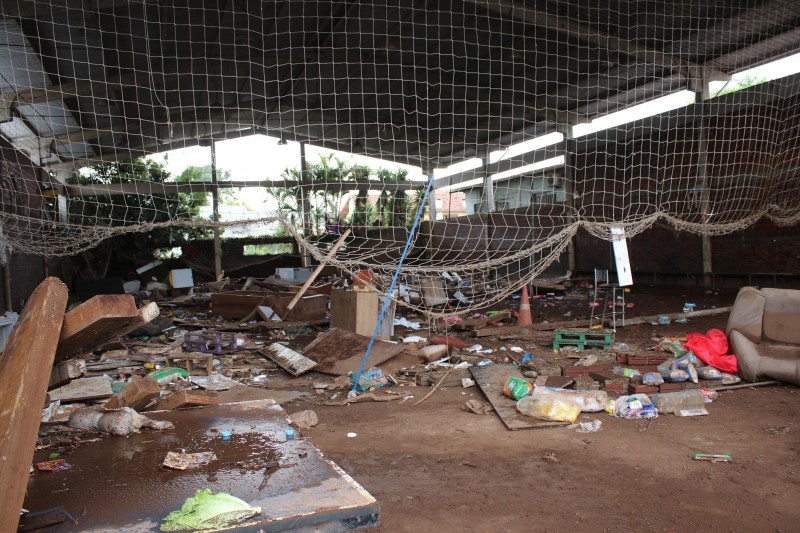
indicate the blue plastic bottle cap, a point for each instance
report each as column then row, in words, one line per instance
column 226, row 435
column 289, row 434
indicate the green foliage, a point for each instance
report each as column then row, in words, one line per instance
column 390, row 210
column 742, row 83
column 132, row 210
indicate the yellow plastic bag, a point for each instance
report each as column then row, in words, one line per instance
column 549, row 408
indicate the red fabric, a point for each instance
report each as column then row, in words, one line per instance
column 712, row 349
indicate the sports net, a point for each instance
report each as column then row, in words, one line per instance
column 535, row 119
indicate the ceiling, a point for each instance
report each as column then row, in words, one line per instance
column 422, row 83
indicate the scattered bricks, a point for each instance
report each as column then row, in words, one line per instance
column 647, row 368
column 608, row 377
column 633, row 388
column 690, row 385
column 548, row 370
column 670, row 387
column 584, row 382
column 561, row 382
column 622, row 358
column 614, row 388
column 579, row 370
column 643, row 360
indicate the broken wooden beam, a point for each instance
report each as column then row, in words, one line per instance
column 25, row 367
column 187, row 398
column 89, row 324
column 136, row 395
column 66, row 371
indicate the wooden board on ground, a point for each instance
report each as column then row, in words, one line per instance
column 215, row 382
column 505, row 330
column 88, row 325
column 286, row 358
column 82, row 389
column 187, row 398
column 339, row 351
column 25, row 367
column 491, row 379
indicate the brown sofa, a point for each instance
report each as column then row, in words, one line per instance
column 764, row 334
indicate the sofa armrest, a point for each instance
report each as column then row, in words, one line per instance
column 747, row 354
column 747, row 315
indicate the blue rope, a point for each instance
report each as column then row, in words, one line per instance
column 388, row 298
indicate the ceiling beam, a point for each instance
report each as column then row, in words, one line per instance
column 145, row 187
column 764, row 51
column 511, row 163
column 520, row 11
column 728, row 33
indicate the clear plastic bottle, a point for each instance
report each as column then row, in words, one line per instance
column 627, row 372
column 672, row 402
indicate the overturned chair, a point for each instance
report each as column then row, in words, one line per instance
column 764, row 333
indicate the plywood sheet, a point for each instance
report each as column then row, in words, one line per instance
column 491, row 379
column 339, row 351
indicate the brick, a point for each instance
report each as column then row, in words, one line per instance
column 670, row 387
column 633, row 388
column 644, row 360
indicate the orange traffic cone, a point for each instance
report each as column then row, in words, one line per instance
column 525, row 318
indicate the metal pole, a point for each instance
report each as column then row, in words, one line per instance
column 306, row 203
column 215, row 214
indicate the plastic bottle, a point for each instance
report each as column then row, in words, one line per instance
column 627, row 372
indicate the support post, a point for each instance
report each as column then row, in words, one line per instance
column 488, row 206
column 215, row 214
column 569, row 194
column 701, row 95
column 306, row 204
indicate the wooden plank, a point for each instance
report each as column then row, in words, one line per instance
column 187, row 398
column 339, row 351
column 65, row 371
column 25, row 367
column 286, row 358
column 136, row 395
column 82, row 389
column 673, row 316
column 89, row 324
column 505, row 330
column 491, row 379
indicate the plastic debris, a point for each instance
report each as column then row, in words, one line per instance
column 205, row 510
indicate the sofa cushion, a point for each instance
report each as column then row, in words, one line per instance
column 781, row 315
column 746, row 315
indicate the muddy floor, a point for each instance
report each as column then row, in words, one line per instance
column 434, row 467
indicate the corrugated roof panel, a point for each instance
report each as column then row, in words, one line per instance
column 48, row 118
column 75, row 150
column 20, row 67
column 15, row 130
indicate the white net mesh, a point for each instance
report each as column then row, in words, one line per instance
column 535, row 119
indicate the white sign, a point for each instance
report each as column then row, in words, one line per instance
column 624, row 275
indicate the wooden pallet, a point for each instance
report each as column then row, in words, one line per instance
column 600, row 338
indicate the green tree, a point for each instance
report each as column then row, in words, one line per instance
column 132, row 209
